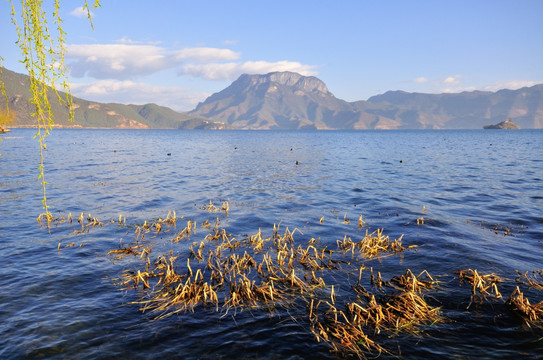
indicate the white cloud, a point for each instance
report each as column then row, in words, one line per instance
column 453, row 79
column 130, row 59
column 510, row 84
column 205, row 54
column 131, row 92
column 452, row 84
column 128, row 41
column 80, row 12
column 117, row 61
column 420, row 80
column 232, row 70
column 457, row 83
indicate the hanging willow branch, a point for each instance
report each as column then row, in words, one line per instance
column 43, row 57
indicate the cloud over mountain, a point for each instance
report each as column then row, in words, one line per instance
column 133, row 92
column 130, row 60
column 123, row 70
column 232, row 70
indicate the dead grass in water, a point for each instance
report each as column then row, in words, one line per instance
column 532, row 315
column 266, row 272
column 481, row 285
column 350, row 331
column 534, row 280
column 276, row 270
column 372, row 244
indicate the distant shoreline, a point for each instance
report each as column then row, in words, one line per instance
column 271, row 130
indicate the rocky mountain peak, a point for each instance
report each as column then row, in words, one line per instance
column 289, row 79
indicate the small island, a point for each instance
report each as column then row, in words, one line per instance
column 507, row 124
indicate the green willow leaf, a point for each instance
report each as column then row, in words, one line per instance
column 43, row 58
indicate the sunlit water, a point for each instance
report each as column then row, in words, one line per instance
column 65, row 304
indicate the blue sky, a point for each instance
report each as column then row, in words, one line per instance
column 176, row 53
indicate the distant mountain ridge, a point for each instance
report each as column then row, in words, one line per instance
column 288, row 100
column 467, row 110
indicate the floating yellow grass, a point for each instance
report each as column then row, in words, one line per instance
column 186, row 232
column 361, row 222
column 271, row 271
column 282, row 269
column 480, row 285
column 227, row 274
column 185, row 296
column 410, row 282
column 372, row 244
column 531, row 314
column 535, row 280
column 50, row 220
column 344, row 335
column 402, row 311
column 48, row 217
column 129, row 250
column 212, row 208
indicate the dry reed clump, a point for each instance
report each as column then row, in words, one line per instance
column 51, row 220
column 48, row 217
column 531, row 314
column 246, row 292
column 480, row 285
column 372, row 244
column 130, row 250
column 186, row 232
column 240, row 280
column 212, row 208
column 402, row 310
column 408, row 310
column 164, row 270
column 410, row 282
column 345, row 336
column 535, row 280
column 361, row 222
column 185, row 296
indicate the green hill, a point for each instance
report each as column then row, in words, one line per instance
column 89, row 114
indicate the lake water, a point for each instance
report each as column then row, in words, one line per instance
column 480, row 194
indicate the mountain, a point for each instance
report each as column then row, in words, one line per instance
column 466, row 110
column 280, row 100
column 89, row 114
column 286, row 100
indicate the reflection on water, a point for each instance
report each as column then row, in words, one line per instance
column 474, row 185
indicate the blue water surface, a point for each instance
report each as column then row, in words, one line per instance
column 480, row 194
